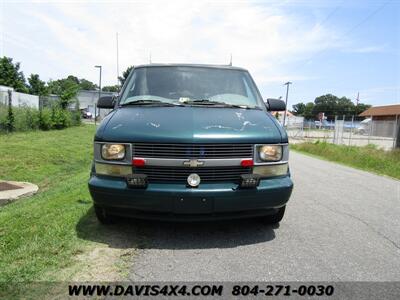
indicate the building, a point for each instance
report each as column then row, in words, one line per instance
column 384, row 112
column 385, row 121
column 18, row 99
column 88, row 101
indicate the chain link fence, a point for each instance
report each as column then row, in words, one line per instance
column 351, row 131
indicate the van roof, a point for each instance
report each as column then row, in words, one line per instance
column 191, row 65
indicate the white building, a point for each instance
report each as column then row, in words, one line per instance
column 18, row 99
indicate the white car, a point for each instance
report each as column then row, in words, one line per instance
column 364, row 127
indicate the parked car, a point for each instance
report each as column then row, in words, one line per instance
column 190, row 142
column 86, row 114
column 324, row 124
column 364, row 126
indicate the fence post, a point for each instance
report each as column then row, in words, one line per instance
column 351, row 129
column 396, row 133
column 10, row 115
column 334, row 133
column 370, row 130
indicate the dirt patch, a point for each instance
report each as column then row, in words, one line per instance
column 96, row 264
column 103, row 264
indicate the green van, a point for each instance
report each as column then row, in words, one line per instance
column 190, row 142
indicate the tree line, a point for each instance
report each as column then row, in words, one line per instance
column 11, row 75
column 330, row 105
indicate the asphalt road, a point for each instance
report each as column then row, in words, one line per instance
column 340, row 224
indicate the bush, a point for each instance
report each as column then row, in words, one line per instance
column 27, row 118
column 60, row 118
column 45, row 122
column 76, row 115
column 3, row 117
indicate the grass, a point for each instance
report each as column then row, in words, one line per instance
column 368, row 158
column 40, row 235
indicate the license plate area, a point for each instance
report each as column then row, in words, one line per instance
column 193, row 205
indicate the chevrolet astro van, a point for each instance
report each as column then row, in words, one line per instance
column 190, row 142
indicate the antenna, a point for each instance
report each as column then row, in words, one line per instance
column 117, row 61
column 230, row 62
column 150, row 58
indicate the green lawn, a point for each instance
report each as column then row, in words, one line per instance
column 40, row 235
column 368, row 158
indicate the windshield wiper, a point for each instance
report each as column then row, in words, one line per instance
column 220, row 104
column 149, row 102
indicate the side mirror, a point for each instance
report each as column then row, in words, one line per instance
column 276, row 105
column 106, row 102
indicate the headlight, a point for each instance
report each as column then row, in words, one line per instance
column 113, row 151
column 270, row 152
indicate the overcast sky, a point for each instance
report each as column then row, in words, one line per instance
column 339, row 47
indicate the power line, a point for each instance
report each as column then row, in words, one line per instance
column 367, row 17
column 374, row 12
column 331, row 13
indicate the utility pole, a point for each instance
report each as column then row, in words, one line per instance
column 287, row 95
column 358, row 98
column 95, row 107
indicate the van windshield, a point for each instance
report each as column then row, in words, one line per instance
column 194, row 85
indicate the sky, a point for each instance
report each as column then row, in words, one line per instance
column 338, row 47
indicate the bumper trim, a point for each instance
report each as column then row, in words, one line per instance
column 209, row 200
column 175, row 217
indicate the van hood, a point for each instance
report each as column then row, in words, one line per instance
column 190, row 125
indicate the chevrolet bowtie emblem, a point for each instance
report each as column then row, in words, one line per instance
column 193, row 163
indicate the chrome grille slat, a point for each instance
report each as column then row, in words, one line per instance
column 193, row 150
column 180, row 174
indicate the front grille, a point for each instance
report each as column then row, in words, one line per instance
column 193, row 150
column 181, row 174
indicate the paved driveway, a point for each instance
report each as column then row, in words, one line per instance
column 340, row 224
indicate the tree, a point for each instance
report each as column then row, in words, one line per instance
column 345, row 107
column 73, row 78
column 298, row 109
column 57, row 87
column 326, row 104
column 111, row 88
column 37, row 86
column 85, row 84
column 68, row 94
column 308, row 111
column 11, row 76
column 125, row 75
column 360, row 108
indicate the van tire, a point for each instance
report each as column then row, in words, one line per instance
column 103, row 216
column 275, row 218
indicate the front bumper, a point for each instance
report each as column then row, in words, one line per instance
column 175, row 201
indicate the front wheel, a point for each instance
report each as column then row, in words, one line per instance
column 275, row 218
column 103, row 216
